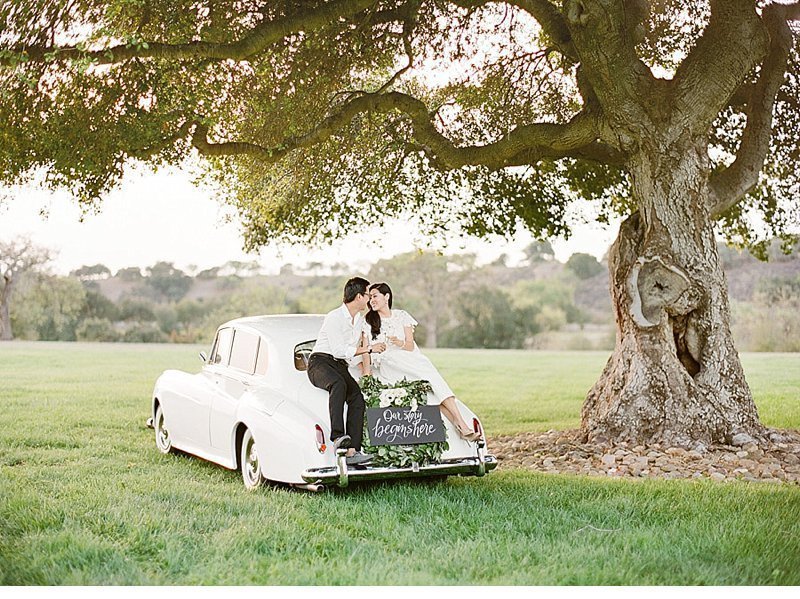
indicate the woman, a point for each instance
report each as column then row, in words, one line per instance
column 402, row 358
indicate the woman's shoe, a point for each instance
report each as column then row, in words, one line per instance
column 467, row 434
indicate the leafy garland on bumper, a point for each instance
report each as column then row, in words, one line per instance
column 409, row 394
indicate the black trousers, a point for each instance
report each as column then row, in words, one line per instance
column 326, row 372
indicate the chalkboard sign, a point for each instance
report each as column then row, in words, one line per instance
column 401, row 426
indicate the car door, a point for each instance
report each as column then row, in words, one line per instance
column 196, row 411
column 237, row 379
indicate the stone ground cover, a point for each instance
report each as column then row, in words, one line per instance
column 562, row 452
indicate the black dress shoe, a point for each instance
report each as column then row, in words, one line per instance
column 358, row 458
column 342, row 442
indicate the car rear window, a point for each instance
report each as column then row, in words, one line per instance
column 243, row 353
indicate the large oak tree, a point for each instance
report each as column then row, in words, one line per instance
column 319, row 117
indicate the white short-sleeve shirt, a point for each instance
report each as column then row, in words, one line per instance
column 340, row 334
column 394, row 326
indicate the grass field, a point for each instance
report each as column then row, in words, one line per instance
column 85, row 498
column 515, row 390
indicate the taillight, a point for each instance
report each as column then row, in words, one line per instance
column 476, row 426
column 320, row 439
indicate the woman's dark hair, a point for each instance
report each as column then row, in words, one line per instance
column 354, row 287
column 373, row 318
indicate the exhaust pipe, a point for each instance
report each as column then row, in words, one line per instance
column 314, row 487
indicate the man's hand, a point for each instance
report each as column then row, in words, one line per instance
column 378, row 348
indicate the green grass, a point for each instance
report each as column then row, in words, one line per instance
column 514, row 390
column 86, row 499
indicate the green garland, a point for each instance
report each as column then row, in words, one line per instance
column 399, row 455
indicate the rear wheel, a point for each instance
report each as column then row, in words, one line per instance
column 251, row 464
column 163, row 441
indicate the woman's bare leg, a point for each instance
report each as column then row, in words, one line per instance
column 453, row 414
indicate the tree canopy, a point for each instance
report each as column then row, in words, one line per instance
column 584, row 265
column 318, row 117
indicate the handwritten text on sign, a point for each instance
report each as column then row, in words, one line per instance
column 401, row 426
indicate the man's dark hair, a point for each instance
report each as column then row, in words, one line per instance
column 353, row 287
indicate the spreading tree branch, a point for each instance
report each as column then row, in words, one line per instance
column 409, row 23
column 729, row 186
column 144, row 153
column 256, row 40
column 546, row 14
column 524, row 145
column 733, row 43
column 604, row 34
column 20, row 255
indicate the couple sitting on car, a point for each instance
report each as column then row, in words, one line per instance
column 381, row 344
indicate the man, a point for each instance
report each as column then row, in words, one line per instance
column 337, row 344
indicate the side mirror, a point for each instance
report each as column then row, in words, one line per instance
column 203, row 356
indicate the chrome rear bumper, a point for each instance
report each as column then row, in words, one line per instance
column 341, row 474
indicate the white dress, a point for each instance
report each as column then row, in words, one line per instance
column 396, row 363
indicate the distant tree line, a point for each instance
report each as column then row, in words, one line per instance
column 540, row 303
column 457, row 303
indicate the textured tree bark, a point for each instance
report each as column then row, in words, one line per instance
column 432, row 337
column 5, row 316
column 674, row 375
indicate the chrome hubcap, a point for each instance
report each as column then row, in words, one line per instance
column 162, row 433
column 251, row 462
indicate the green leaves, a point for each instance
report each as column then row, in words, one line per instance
column 134, row 41
column 399, row 456
column 483, row 75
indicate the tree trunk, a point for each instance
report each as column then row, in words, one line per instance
column 431, row 337
column 5, row 316
column 674, row 376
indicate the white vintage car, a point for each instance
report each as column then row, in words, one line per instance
column 252, row 408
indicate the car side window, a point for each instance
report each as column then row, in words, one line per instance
column 222, row 347
column 243, row 353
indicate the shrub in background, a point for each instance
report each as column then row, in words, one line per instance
column 96, row 329
column 145, row 333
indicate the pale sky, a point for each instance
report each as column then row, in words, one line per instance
column 163, row 216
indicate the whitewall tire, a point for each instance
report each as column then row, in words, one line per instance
column 251, row 462
column 163, row 441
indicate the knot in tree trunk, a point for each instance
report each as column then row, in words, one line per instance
column 659, row 289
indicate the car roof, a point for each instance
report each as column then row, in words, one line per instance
column 282, row 332
column 281, row 329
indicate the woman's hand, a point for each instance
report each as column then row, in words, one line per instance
column 396, row 341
